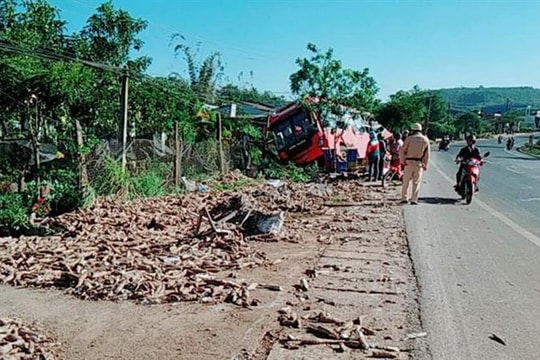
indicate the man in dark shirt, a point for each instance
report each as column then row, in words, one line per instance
column 466, row 153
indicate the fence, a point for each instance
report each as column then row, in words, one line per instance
column 155, row 159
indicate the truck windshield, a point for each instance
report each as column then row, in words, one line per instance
column 293, row 129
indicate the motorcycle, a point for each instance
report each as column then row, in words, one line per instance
column 469, row 177
column 444, row 145
column 509, row 145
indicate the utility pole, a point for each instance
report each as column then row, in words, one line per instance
column 124, row 115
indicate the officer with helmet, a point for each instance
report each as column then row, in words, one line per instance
column 414, row 155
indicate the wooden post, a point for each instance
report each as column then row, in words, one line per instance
column 124, row 116
column 177, row 155
column 83, row 173
column 220, row 144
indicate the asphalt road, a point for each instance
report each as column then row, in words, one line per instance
column 478, row 265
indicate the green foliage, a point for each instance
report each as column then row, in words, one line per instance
column 234, row 93
column 416, row 106
column 533, row 150
column 64, row 195
column 471, row 123
column 203, row 75
column 13, row 213
column 130, row 183
column 289, row 172
column 322, row 77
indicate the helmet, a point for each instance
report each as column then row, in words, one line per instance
column 416, row 127
column 471, row 138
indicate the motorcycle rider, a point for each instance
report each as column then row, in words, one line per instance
column 466, row 153
column 510, row 143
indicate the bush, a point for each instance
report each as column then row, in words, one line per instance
column 127, row 183
column 64, row 196
column 13, row 214
column 289, row 172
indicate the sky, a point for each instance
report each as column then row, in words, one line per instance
column 432, row 44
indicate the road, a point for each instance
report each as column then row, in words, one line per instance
column 478, row 265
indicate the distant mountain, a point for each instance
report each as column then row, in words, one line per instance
column 477, row 98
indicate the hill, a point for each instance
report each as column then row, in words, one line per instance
column 476, row 98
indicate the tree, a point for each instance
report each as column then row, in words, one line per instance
column 323, row 78
column 236, row 94
column 203, row 76
column 416, row 106
column 471, row 123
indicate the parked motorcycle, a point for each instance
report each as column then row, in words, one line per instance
column 469, row 177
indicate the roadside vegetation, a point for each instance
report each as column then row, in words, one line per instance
column 533, row 150
column 59, row 95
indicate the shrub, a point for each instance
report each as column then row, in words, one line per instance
column 13, row 214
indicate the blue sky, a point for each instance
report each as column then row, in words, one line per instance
column 433, row 44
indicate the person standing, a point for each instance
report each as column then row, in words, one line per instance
column 414, row 155
column 372, row 155
column 382, row 154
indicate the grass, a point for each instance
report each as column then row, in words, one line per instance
column 533, row 150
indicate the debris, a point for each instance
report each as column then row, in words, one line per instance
column 326, row 301
column 189, row 185
column 289, row 319
column 361, row 338
column 416, row 335
column 322, row 331
column 324, row 317
column 21, row 341
column 386, row 348
column 382, row 354
column 375, row 292
column 311, row 273
column 304, row 286
column 275, row 182
column 497, row 339
column 270, row 287
column 110, row 252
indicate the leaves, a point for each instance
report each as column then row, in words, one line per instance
column 323, row 77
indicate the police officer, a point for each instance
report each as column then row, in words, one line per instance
column 414, row 155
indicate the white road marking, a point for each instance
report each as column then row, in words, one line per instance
column 531, row 199
column 503, row 218
column 509, row 168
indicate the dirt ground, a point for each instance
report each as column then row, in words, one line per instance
column 356, row 256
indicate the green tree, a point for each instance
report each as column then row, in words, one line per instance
column 471, row 123
column 416, row 106
column 203, row 75
column 323, row 77
column 234, row 93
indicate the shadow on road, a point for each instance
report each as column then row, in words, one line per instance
column 491, row 147
column 438, row 200
column 514, row 157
